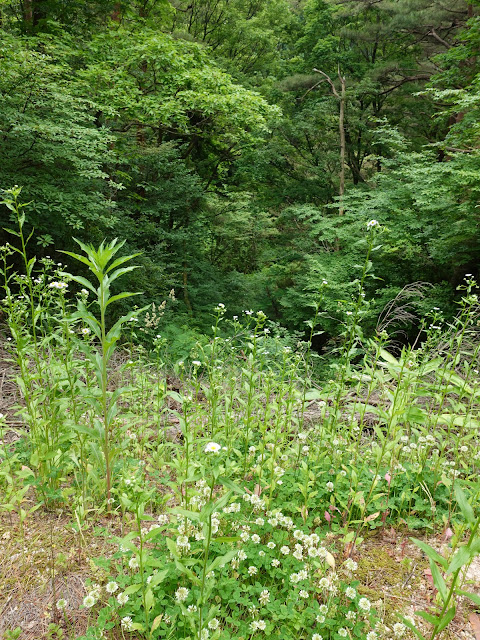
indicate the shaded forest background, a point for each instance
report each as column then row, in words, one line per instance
column 208, row 133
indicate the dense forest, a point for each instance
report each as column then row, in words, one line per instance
column 239, row 319
column 242, row 146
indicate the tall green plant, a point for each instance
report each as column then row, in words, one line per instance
column 106, row 270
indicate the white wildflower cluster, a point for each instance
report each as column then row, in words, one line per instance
column 258, row 625
column 60, row 286
column 295, row 578
column 220, row 308
column 183, row 545
column 372, row 224
column 203, row 493
column 257, row 503
column 234, row 507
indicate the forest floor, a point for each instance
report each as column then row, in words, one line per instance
column 51, row 559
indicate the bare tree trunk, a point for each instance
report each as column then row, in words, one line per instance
column 341, row 128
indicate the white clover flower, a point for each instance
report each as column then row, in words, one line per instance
column 330, row 486
column 261, row 625
column 256, row 538
column 111, row 587
column 122, row 598
column 350, row 593
column 241, row 555
column 244, row 536
column 399, row 629
column 260, row 522
column 372, row 636
column 324, row 583
column 351, row 615
column 285, row 550
column 127, row 623
column 464, row 449
column 212, row 447
column 303, row 593
column 89, row 601
column 252, row 570
column 181, row 594
column 275, row 563
column 323, row 609
column 271, row 544
column 298, row 535
column 351, row 565
column 364, row 604
column 213, row 624
column 61, row 604
column 264, row 597
column 342, row 632
column 133, row 563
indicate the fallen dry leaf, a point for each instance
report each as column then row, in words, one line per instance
column 474, row 620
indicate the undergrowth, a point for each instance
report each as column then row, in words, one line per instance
column 244, row 489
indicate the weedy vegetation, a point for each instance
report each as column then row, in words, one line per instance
column 238, row 490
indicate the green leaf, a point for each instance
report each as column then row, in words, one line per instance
column 447, row 618
column 431, row 553
column 116, row 263
column 438, row 580
column 158, row 577
column 188, row 572
column 172, row 547
column 133, row 588
column 121, row 296
column 149, row 599
column 191, row 515
column 464, row 505
column 81, row 280
column 461, row 558
column 471, row 596
column 427, row 616
column 221, row 560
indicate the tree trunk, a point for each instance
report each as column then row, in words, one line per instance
column 341, row 127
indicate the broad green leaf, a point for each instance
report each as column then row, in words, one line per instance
column 431, row 553
column 447, row 618
column 438, row 580
column 464, row 505
column 461, row 557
